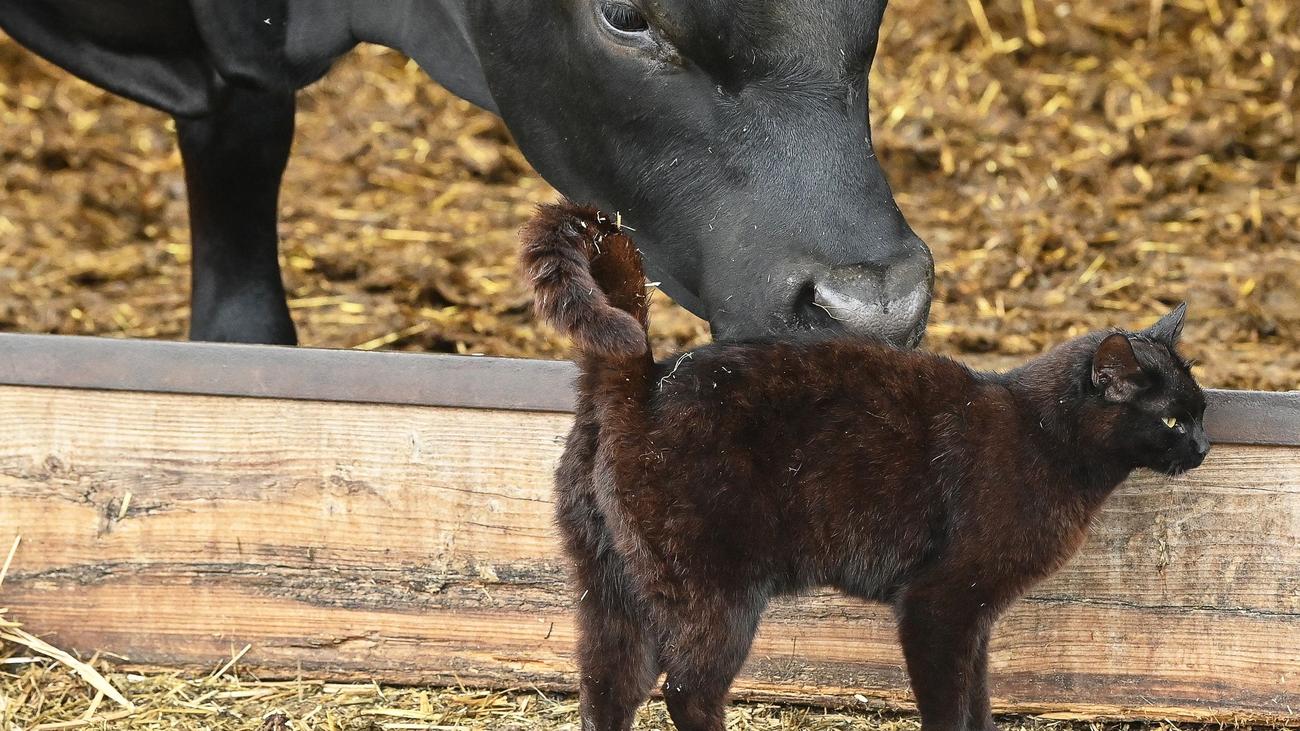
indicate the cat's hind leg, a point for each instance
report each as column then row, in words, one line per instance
column 979, row 712
column 617, row 650
column 705, row 644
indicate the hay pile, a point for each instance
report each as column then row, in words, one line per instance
column 41, row 698
column 1072, row 165
column 49, row 699
column 1077, row 164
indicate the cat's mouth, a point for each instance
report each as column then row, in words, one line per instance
column 1178, row 467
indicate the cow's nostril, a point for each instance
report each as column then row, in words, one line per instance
column 812, row 313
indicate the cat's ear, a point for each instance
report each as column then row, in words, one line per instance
column 1115, row 369
column 1170, row 327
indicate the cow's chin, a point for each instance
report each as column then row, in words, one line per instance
column 812, row 321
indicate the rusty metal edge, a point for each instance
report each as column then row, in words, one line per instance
column 411, row 379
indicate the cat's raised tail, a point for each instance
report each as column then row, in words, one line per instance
column 587, row 277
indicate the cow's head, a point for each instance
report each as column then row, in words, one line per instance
column 734, row 135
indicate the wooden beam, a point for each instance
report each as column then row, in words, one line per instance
column 414, row 544
column 350, row 376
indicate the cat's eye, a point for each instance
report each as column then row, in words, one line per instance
column 623, row 17
column 1171, row 422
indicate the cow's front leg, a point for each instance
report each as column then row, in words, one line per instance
column 234, row 160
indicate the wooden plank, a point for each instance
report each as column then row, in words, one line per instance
column 350, row 376
column 415, row 545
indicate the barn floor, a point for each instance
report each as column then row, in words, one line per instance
column 1073, row 166
column 42, row 698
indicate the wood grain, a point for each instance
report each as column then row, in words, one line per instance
column 415, row 545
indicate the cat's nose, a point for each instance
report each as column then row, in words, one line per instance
column 1201, row 441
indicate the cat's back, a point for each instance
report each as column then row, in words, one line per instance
column 778, row 450
column 747, row 384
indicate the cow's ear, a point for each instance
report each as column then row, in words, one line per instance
column 1170, row 327
column 1115, row 370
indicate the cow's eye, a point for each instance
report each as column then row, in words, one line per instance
column 623, row 17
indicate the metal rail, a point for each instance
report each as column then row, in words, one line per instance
column 261, row 371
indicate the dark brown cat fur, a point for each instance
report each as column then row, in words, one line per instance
column 693, row 491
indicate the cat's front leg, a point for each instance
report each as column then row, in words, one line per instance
column 941, row 637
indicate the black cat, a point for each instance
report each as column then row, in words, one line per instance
column 693, row 491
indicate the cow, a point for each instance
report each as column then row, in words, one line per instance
column 732, row 134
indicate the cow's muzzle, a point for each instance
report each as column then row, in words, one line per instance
column 890, row 301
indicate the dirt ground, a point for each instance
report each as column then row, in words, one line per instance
column 1073, row 165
